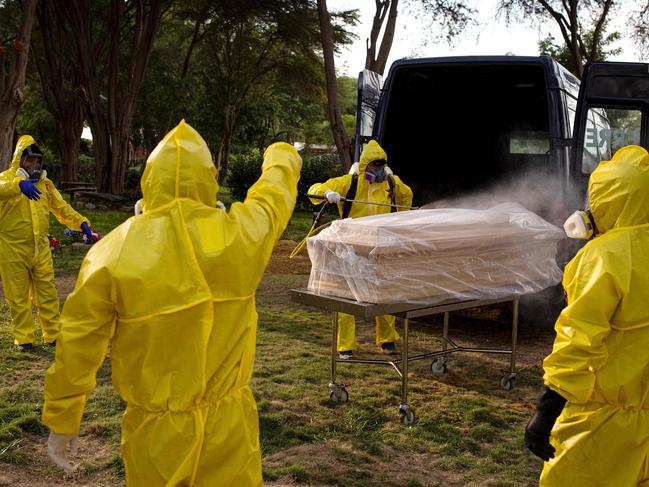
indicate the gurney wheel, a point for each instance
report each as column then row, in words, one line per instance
column 407, row 415
column 339, row 395
column 438, row 366
column 507, row 382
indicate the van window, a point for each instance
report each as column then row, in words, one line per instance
column 606, row 131
column 531, row 142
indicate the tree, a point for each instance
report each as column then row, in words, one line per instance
column 113, row 42
column 59, row 81
column 574, row 18
column 447, row 17
column 14, row 54
column 333, row 107
column 243, row 49
column 375, row 62
column 561, row 53
column 641, row 29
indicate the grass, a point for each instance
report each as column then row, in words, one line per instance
column 468, row 430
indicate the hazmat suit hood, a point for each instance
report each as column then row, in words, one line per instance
column 179, row 167
column 372, row 152
column 23, row 142
column 619, row 190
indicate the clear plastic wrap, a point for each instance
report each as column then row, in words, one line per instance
column 435, row 256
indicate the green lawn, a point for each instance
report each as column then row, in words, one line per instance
column 468, row 430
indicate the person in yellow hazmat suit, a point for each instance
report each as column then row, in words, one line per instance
column 27, row 197
column 369, row 180
column 172, row 292
column 592, row 420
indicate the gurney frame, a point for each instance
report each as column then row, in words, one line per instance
column 405, row 312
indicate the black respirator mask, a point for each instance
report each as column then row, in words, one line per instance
column 376, row 175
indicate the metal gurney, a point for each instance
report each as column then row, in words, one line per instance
column 405, row 312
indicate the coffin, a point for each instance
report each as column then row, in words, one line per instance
column 435, row 256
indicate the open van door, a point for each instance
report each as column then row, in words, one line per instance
column 369, row 92
column 612, row 111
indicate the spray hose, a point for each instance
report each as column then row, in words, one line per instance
column 315, row 228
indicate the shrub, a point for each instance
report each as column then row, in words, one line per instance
column 316, row 169
column 245, row 169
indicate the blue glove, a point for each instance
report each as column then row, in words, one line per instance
column 29, row 189
column 86, row 229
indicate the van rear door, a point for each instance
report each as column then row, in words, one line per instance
column 612, row 111
column 369, row 92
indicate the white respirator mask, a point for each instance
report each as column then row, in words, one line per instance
column 580, row 225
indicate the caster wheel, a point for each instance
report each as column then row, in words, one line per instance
column 339, row 395
column 407, row 415
column 438, row 366
column 508, row 382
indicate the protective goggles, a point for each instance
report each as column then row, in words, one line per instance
column 581, row 225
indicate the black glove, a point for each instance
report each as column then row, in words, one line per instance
column 537, row 431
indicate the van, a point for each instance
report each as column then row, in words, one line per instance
column 478, row 130
column 488, row 129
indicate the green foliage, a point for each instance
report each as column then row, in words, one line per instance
column 347, row 94
column 561, row 53
column 36, row 121
column 86, row 168
column 316, row 169
column 245, row 169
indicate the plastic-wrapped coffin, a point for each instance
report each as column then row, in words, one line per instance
column 434, row 256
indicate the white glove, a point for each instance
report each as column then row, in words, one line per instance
column 332, row 197
column 220, row 205
column 57, row 446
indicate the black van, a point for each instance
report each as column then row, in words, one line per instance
column 487, row 129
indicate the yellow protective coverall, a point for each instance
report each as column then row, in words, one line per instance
column 600, row 358
column 172, row 291
column 26, row 261
column 377, row 192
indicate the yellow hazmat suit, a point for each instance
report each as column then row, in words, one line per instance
column 600, row 359
column 172, row 291
column 379, row 193
column 26, row 262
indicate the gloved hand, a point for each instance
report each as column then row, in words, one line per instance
column 332, row 196
column 29, row 189
column 57, row 446
column 88, row 233
column 537, row 431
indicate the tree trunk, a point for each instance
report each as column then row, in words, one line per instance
column 120, row 141
column 59, row 85
column 110, row 115
column 375, row 62
column 102, row 148
column 7, row 126
column 333, row 106
column 13, row 63
column 68, row 132
column 575, row 48
column 224, row 149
